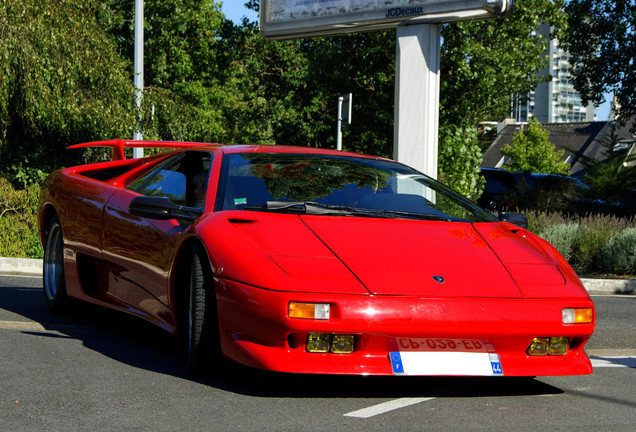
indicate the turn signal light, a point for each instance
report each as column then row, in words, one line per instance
column 577, row 315
column 309, row 310
column 324, row 342
column 548, row 346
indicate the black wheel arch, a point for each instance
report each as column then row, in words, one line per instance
column 180, row 280
column 47, row 214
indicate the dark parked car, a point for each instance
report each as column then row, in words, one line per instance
column 522, row 190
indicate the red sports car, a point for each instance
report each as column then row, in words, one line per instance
column 311, row 261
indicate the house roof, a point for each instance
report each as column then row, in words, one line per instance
column 575, row 138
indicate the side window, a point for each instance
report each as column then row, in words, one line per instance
column 183, row 179
column 166, row 183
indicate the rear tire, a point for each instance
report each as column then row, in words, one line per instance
column 204, row 350
column 53, row 278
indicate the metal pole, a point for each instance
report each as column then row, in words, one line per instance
column 339, row 131
column 139, row 70
column 417, row 97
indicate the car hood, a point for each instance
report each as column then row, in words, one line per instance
column 412, row 257
column 387, row 256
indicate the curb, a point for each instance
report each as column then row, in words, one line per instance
column 21, row 266
column 610, row 286
column 33, row 267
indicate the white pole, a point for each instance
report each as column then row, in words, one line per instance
column 339, row 130
column 139, row 70
column 417, row 97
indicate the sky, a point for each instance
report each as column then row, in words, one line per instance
column 235, row 10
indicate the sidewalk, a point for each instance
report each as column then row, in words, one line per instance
column 33, row 267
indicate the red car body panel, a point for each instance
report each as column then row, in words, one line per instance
column 418, row 252
column 391, row 323
column 501, row 286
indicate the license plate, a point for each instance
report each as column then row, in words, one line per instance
column 445, row 363
column 444, row 344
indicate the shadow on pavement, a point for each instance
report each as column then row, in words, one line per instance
column 134, row 342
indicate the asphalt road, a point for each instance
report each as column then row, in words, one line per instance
column 103, row 371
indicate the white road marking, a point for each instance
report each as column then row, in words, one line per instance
column 32, row 326
column 21, row 325
column 386, row 407
column 614, row 362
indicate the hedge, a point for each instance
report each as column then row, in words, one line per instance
column 592, row 244
column 19, row 235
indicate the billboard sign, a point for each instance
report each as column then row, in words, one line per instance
column 289, row 19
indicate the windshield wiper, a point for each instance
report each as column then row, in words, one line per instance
column 315, row 208
column 415, row 215
column 306, row 207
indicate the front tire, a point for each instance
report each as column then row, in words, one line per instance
column 53, row 278
column 204, row 351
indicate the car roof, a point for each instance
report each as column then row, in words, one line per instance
column 119, row 145
column 243, row 148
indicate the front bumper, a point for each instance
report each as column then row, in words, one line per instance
column 256, row 331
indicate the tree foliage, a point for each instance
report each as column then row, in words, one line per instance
column 484, row 62
column 183, row 68
column 61, row 81
column 207, row 79
column 601, row 39
column 459, row 160
column 612, row 178
column 266, row 101
column 532, row 151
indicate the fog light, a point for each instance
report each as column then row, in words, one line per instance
column 318, row 342
column 577, row 315
column 558, row 346
column 342, row 344
column 539, row 346
column 309, row 310
column 548, row 346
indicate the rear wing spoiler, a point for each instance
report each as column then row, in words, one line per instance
column 119, row 145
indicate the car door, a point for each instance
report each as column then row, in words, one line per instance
column 140, row 250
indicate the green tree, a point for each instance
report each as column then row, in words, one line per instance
column 611, row 178
column 484, row 62
column 61, row 82
column 532, row 151
column 183, row 65
column 601, row 39
column 362, row 64
column 266, row 98
column 459, row 160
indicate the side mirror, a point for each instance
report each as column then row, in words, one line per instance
column 162, row 208
column 514, row 218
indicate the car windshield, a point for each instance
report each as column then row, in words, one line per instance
column 337, row 185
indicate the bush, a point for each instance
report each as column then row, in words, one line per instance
column 563, row 237
column 590, row 241
column 19, row 235
column 618, row 255
column 594, row 244
column 539, row 221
